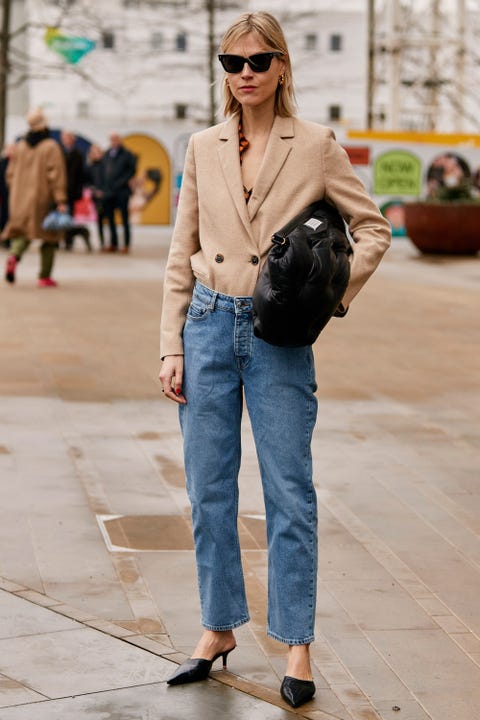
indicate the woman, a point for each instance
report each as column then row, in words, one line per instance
column 37, row 182
column 95, row 180
column 243, row 180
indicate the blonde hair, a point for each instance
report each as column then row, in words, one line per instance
column 268, row 28
column 36, row 120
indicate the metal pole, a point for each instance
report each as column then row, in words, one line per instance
column 371, row 64
column 395, row 45
column 460, row 66
column 434, row 78
column 4, row 44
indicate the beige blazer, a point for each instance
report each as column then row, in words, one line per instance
column 223, row 241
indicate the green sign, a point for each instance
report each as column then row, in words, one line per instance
column 71, row 47
column 397, row 173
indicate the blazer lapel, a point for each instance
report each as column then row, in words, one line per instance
column 277, row 151
column 229, row 155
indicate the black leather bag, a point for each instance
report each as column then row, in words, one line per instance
column 304, row 278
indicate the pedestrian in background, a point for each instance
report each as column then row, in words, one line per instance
column 75, row 181
column 243, row 180
column 120, row 167
column 95, row 180
column 4, row 160
column 37, row 182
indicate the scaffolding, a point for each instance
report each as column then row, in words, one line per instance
column 424, row 68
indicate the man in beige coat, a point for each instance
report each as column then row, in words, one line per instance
column 37, row 180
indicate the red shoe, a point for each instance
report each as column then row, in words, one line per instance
column 10, row 268
column 46, row 282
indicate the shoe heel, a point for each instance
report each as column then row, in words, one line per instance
column 224, row 658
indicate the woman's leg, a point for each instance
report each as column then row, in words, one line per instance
column 279, row 390
column 47, row 258
column 17, row 248
column 100, row 221
column 211, row 432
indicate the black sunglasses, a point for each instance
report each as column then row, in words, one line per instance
column 258, row 63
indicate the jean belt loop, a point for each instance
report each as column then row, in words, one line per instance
column 213, row 300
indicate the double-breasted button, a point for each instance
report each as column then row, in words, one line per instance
column 254, row 260
column 219, row 258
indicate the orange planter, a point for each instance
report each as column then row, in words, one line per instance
column 448, row 228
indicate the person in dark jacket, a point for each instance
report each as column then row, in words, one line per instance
column 75, row 180
column 4, row 160
column 119, row 169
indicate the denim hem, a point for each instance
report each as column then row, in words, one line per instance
column 304, row 641
column 221, row 628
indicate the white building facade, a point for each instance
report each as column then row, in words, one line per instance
column 149, row 70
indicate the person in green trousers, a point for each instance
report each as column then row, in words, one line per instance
column 36, row 176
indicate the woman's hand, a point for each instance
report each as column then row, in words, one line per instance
column 171, row 376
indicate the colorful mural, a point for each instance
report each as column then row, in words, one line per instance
column 405, row 166
column 448, row 171
column 394, row 211
column 151, row 197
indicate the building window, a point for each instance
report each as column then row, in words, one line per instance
column 108, row 40
column 156, row 40
column 83, row 109
column 311, row 41
column 181, row 42
column 336, row 43
column 334, row 112
column 181, row 111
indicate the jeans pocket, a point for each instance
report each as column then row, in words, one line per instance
column 197, row 310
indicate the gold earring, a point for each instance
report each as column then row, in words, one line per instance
column 281, row 79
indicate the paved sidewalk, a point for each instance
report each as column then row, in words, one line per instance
column 98, row 596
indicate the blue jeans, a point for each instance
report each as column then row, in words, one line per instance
column 224, row 362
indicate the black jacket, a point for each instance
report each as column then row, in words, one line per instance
column 119, row 169
column 95, row 175
column 304, row 279
column 75, row 173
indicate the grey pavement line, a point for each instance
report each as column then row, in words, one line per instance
column 153, row 646
column 136, row 591
column 439, row 498
column 436, row 609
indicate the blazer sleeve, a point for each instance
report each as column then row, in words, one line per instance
column 179, row 278
column 370, row 231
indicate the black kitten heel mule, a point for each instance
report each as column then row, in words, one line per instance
column 297, row 692
column 196, row 669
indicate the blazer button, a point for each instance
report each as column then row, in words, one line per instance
column 219, row 258
column 254, row 260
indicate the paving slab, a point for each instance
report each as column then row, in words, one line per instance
column 152, row 702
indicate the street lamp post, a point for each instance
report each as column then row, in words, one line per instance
column 4, row 44
column 371, row 64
